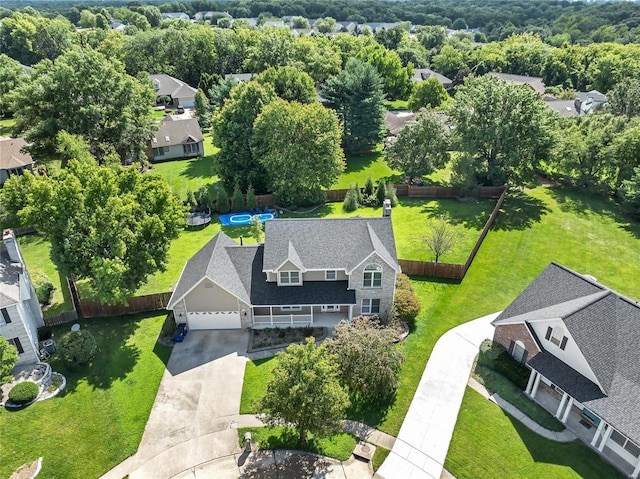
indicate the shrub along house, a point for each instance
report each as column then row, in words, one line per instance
column 307, row 272
column 20, row 313
column 580, row 340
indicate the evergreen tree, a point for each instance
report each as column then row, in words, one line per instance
column 368, row 187
column 381, row 192
column 350, row 200
column 237, row 200
column 222, row 201
column 252, row 203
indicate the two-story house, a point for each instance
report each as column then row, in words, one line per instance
column 307, row 272
column 20, row 313
column 580, row 340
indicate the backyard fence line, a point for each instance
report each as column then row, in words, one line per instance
column 454, row 270
column 67, row 316
column 135, row 304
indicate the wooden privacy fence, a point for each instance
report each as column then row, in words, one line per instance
column 457, row 271
column 61, row 318
column 136, row 304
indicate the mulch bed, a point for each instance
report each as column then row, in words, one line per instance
column 278, row 337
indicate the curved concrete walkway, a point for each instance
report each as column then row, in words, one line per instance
column 422, row 444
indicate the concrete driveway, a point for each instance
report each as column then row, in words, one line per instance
column 196, row 411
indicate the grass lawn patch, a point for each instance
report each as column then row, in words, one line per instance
column 339, row 446
column 489, row 444
column 396, row 104
column 378, row 457
column 6, row 125
column 36, row 251
column 185, row 175
column 100, row 419
column 497, row 383
column 257, row 375
column 360, row 168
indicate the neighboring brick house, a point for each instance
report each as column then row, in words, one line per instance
column 176, row 138
column 179, row 92
column 14, row 160
column 307, row 272
column 20, row 313
column 580, row 340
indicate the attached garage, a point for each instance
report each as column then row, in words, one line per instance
column 214, row 320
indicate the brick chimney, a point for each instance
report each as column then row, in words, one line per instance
column 10, row 243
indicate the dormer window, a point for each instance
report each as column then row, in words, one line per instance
column 289, row 278
column 372, row 276
column 557, row 337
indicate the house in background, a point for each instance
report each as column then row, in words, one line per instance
column 172, row 15
column 308, row 272
column 580, row 340
column 178, row 92
column 176, row 138
column 535, row 83
column 13, row 159
column 421, row 74
column 20, row 313
column 590, row 101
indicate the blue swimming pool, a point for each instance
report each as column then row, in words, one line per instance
column 244, row 218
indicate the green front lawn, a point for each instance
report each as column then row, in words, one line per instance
column 6, row 125
column 360, row 168
column 100, row 419
column 339, row 446
column 489, row 444
column 36, row 251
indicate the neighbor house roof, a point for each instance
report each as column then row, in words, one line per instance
column 422, row 74
column 397, row 121
column 11, row 154
column 9, row 279
column 328, row 243
column 167, row 85
column 536, row 83
column 606, row 329
column 240, row 76
column 565, row 108
column 177, row 131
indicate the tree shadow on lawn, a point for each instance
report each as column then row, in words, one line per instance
column 519, row 212
column 362, row 162
column 202, row 167
column 471, row 214
column 581, row 203
column 574, row 455
column 114, row 358
column 368, row 412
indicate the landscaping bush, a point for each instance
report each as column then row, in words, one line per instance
column 406, row 305
column 8, row 359
column 391, row 194
column 368, row 187
column 381, row 192
column 350, row 201
column 203, row 199
column 24, row 392
column 494, row 356
column 44, row 333
column 44, row 288
column 78, row 346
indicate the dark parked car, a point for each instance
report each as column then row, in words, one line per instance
column 180, row 332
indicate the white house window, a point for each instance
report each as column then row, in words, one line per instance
column 190, row 148
column 290, row 308
column 330, row 308
column 5, row 316
column 370, row 306
column 330, row 275
column 372, row 276
column 625, row 443
column 16, row 342
column 159, row 151
column 518, row 351
column 289, row 277
column 557, row 337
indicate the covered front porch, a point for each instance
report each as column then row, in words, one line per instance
column 301, row 316
column 587, row 426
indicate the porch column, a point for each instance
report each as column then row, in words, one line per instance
column 271, row 315
column 596, row 436
column 636, row 471
column 536, row 383
column 567, row 411
column 350, row 312
column 311, row 315
column 565, row 396
column 605, row 438
column 532, row 378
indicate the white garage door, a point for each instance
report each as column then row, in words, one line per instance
column 214, row 320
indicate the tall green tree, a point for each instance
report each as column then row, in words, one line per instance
column 289, row 83
column 357, row 96
column 396, row 77
column 305, row 391
column 11, row 75
column 85, row 94
column 503, row 129
column 428, row 94
column 233, row 132
column 421, row 147
column 299, row 148
column 316, row 56
column 273, row 49
column 624, row 99
column 111, row 226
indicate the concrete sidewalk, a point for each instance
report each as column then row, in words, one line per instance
column 422, row 444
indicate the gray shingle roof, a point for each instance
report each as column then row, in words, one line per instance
column 11, row 155
column 329, row 243
column 606, row 328
column 9, row 279
column 174, row 131
column 167, row 85
column 536, row 83
column 422, row 74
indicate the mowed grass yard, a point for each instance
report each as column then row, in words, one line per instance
column 100, row 419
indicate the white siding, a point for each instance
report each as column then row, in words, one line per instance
column 24, row 329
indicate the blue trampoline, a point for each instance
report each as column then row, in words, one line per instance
column 245, row 218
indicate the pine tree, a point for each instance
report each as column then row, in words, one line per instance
column 252, row 202
column 237, row 200
column 222, row 201
column 368, row 187
column 350, row 200
column 381, row 192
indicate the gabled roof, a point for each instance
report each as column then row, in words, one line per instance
column 536, row 83
column 11, row 154
column 397, row 122
column 422, row 74
column 565, row 108
column 329, row 243
column 606, row 329
column 9, row 279
column 177, row 131
column 167, row 85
